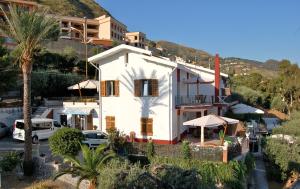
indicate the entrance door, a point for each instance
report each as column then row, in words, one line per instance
column 89, row 122
column 77, row 122
column 63, row 120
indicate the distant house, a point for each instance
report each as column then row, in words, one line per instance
column 150, row 97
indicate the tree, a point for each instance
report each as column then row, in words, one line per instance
column 90, row 167
column 8, row 74
column 29, row 30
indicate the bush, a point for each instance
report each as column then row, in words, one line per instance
column 120, row 174
column 66, row 141
column 186, row 151
column 249, row 162
column 45, row 185
column 211, row 173
column 150, row 149
column 278, row 104
column 117, row 140
column 10, row 161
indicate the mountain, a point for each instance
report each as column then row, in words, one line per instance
column 77, row 8
column 230, row 65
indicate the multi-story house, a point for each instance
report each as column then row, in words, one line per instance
column 136, row 39
column 150, row 97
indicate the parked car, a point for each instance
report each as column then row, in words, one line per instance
column 4, row 130
column 42, row 128
column 93, row 138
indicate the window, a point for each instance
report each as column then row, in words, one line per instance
column 126, row 58
column 146, row 87
column 110, row 122
column 147, row 126
column 110, row 88
column 135, row 37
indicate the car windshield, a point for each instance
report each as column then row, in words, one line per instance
column 20, row 125
column 95, row 136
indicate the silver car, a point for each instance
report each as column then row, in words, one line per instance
column 4, row 130
column 93, row 138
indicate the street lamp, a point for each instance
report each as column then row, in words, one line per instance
column 85, row 41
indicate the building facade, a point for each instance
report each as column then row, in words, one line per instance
column 150, row 97
column 136, row 39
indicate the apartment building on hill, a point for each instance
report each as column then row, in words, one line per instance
column 103, row 30
column 136, row 39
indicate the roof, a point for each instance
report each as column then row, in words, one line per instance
column 245, row 109
column 115, row 50
column 147, row 55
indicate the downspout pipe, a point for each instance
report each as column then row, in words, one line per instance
column 170, row 104
column 100, row 98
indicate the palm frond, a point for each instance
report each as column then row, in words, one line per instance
column 71, row 159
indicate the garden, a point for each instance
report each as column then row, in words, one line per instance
column 114, row 165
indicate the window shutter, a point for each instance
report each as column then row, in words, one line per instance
column 110, row 122
column 149, row 126
column 137, row 87
column 154, row 87
column 116, row 85
column 103, row 88
column 144, row 126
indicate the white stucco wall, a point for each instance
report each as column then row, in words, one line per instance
column 129, row 109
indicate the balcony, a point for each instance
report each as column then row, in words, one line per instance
column 205, row 100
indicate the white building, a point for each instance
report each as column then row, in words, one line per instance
column 150, row 97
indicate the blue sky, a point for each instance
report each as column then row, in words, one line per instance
column 253, row 29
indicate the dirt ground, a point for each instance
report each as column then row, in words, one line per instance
column 12, row 182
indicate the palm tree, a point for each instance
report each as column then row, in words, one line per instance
column 29, row 30
column 91, row 165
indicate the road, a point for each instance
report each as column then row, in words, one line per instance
column 8, row 143
column 260, row 174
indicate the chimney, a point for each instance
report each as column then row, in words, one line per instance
column 217, row 77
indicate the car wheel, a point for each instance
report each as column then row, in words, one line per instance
column 35, row 140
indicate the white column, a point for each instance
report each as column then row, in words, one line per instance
column 202, row 136
column 179, row 126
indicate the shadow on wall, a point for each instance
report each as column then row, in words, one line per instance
column 147, row 102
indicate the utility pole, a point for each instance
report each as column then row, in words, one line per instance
column 86, row 50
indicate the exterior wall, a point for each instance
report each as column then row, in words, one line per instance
column 136, row 39
column 129, row 109
column 110, row 28
column 89, row 105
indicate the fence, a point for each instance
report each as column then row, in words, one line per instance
column 201, row 153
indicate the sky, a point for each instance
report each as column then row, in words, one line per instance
column 252, row 29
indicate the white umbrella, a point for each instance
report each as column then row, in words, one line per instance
column 206, row 121
column 88, row 84
column 245, row 109
column 210, row 121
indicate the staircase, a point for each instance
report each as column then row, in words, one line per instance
column 39, row 112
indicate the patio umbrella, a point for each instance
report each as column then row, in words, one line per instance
column 88, row 84
column 210, row 121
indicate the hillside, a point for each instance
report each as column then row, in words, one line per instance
column 231, row 65
column 78, row 8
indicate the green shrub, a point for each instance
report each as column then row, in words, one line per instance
column 150, row 149
column 116, row 140
column 186, row 150
column 231, row 174
column 66, row 141
column 10, row 161
column 249, row 162
column 120, row 174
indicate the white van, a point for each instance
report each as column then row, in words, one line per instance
column 42, row 128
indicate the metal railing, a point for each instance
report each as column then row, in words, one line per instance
column 75, row 99
column 194, row 99
column 199, row 100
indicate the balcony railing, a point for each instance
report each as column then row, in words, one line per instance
column 198, row 100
